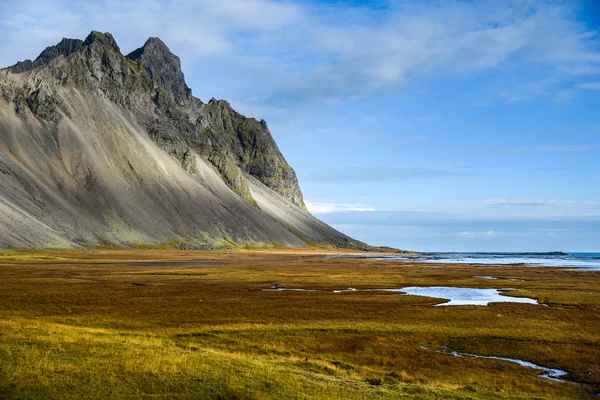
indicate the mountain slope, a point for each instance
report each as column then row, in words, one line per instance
column 97, row 147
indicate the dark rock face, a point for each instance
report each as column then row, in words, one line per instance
column 163, row 67
column 233, row 143
column 253, row 148
column 65, row 47
column 105, row 39
column 77, row 165
column 181, row 124
column 230, row 141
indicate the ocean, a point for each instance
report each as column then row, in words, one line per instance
column 582, row 261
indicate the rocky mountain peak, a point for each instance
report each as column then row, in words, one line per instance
column 65, row 47
column 98, row 146
column 104, row 39
column 150, row 83
column 163, row 67
column 156, row 43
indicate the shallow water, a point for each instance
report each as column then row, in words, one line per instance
column 464, row 296
column 499, row 278
column 456, row 296
column 549, row 373
column 581, row 261
column 172, row 263
column 564, row 261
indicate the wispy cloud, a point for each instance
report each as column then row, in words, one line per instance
column 538, row 202
column 519, row 99
column 516, row 203
column 539, row 208
column 294, row 51
column 466, row 232
column 551, row 149
column 588, row 86
column 551, row 88
column 325, row 208
column 495, row 212
column 488, row 234
column 376, row 174
column 580, row 70
column 564, row 96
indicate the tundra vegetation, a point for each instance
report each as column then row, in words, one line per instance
column 89, row 324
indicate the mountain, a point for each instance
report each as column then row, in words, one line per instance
column 99, row 148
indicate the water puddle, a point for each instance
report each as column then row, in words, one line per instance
column 499, row 278
column 464, row 296
column 455, row 296
column 172, row 263
column 350, row 289
column 275, row 288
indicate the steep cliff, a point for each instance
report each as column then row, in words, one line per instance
column 97, row 147
column 221, row 135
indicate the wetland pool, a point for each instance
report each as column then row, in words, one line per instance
column 456, row 296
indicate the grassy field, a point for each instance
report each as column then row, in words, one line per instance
column 85, row 324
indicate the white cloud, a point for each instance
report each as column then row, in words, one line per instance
column 377, row 174
column 326, row 51
column 564, row 96
column 496, row 202
column 539, row 208
column 483, row 234
column 553, row 149
column 325, row 208
column 519, row 99
column 545, row 88
column 201, row 27
column 580, row 69
column 538, row 202
column 588, row 86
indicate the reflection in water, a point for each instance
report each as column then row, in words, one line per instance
column 465, row 296
column 455, row 296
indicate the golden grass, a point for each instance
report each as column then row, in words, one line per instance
column 84, row 324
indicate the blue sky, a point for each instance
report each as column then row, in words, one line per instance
column 426, row 125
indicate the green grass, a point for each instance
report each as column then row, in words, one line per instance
column 83, row 324
column 168, row 245
column 68, row 362
column 312, row 243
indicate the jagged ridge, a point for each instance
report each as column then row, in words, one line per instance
column 86, row 111
column 65, row 47
column 214, row 130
